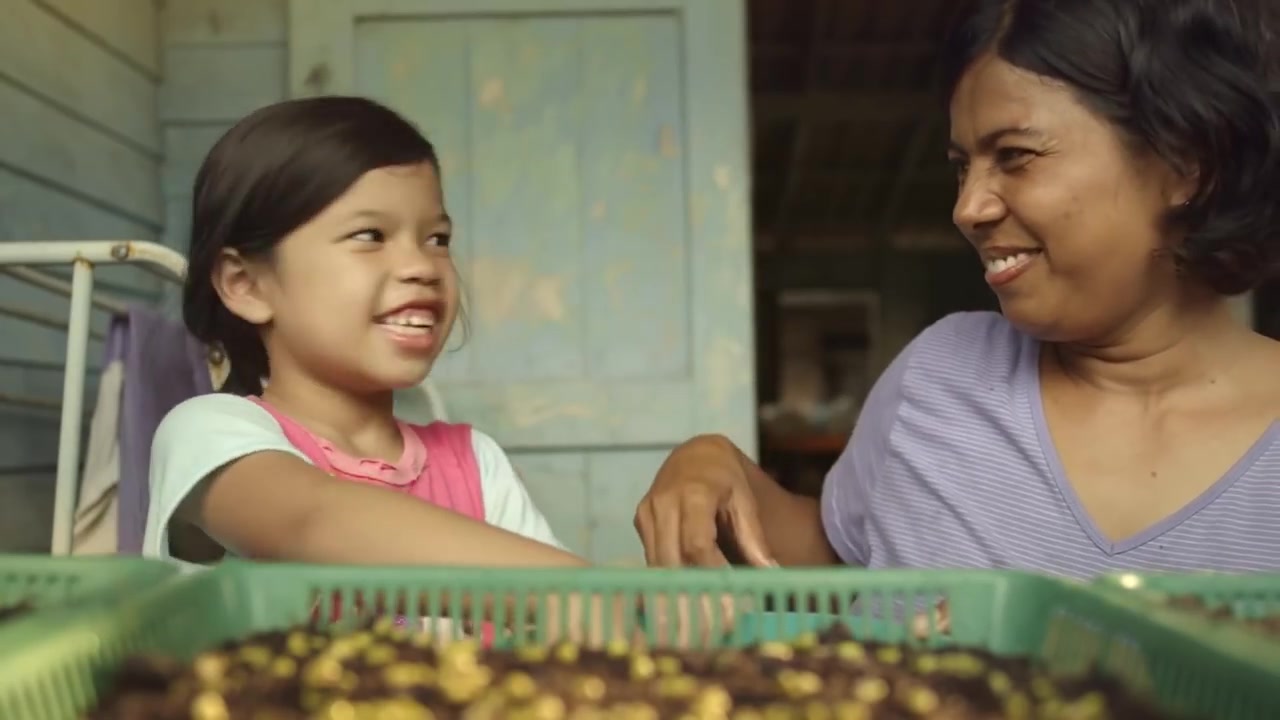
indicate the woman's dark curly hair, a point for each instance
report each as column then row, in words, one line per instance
column 1187, row 79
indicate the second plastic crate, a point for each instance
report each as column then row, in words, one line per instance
column 1243, row 597
column 52, row 585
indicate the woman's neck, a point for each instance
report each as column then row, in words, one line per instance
column 1160, row 352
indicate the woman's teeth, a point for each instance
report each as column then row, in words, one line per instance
column 1004, row 263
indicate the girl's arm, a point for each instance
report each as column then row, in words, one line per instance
column 220, row 463
column 275, row 506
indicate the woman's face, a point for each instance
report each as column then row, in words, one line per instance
column 1066, row 215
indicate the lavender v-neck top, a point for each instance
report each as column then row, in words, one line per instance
column 951, row 465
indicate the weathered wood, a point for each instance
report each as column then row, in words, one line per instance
column 594, row 157
column 73, row 158
column 185, row 149
column 720, row 186
column 177, row 222
column 128, row 27
column 615, row 483
column 557, row 484
column 577, row 413
column 53, row 59
column 223, row 22
column 416, row 71
column 211, row 83
column 79, row 158
column 636, row 247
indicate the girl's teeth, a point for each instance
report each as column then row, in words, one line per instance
column 410, row 329
column 416, row 320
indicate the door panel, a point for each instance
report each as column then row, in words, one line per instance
column 589, row 498
column 557, row 483
column 594, row 161
column 615, row 483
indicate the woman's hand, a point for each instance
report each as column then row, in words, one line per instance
column 592, row 621
column 622, row 620
column 703, row 481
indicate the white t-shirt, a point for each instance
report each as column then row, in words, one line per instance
column 205, row 433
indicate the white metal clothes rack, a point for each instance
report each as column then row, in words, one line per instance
column 19, row 260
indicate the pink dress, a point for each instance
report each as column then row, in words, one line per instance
column 438, row 466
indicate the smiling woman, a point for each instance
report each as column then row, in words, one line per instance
column 1134, row 163
column 1118, row 163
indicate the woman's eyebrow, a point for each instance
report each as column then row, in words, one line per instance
column 989, row 140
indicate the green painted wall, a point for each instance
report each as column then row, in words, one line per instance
column 80, row 156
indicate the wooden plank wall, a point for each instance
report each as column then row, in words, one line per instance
column 221, row 61
column 79, row 158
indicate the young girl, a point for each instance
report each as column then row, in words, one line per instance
column 319, row 263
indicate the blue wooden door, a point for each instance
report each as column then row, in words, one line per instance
column 594, row 158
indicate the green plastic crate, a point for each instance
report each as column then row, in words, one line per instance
column 1068, row 626
column 56, row 585
column 1248, row 596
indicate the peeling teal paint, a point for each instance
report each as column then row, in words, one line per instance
column 598, row 177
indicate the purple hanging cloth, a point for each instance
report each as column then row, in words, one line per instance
column 163, row 365
column 117, row 337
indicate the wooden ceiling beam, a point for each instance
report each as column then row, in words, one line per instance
column 926, row 127
column 852, row 106
column 858, row 50
column 836, row 243
column 931, row 178
column 908, row 167
column 804, row 131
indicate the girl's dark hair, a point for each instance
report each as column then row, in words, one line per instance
column 268, row 175
column 1186, row 79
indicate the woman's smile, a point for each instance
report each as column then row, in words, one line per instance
column 1003, row 267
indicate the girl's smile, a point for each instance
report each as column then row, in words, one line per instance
column 412, row 326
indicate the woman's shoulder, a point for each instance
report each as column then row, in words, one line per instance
column 960, row 359
column 963, row 342
column 969, row 325
column 1258, row 377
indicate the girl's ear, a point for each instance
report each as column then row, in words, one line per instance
column 1181, row 184
column 239, row 283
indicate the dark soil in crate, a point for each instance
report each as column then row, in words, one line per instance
column 384, row 673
